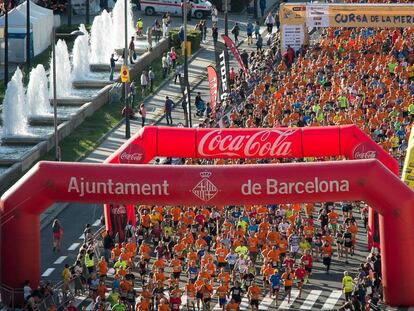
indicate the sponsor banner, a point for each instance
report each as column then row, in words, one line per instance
column 364, row 151
column 222, row 69
column 356, row 15
column 259, row 143
column 317, row 15
column 119, row 220
column 408, row 168
column 347, row 15
column 292, row 14
column 206, row 184
column 133, row 154
column 292, row 35
column 230, row 44
column 213, row 86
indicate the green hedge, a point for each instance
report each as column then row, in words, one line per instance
column 238, row 6
column 194, row 36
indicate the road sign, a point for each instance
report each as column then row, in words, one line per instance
column 124, row 74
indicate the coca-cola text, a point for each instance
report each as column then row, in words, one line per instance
column 266, row 143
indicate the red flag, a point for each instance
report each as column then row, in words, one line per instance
column 213, row 86
column 230, row 44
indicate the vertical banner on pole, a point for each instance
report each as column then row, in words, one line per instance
column 230, row 44
column 213, row 86
column 222, row 69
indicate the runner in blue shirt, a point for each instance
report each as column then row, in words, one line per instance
column 275, row 281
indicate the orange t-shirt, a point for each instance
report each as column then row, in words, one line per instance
column 254, row 292
column 222, row 291
column 287, row 279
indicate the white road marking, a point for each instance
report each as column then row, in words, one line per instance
column 82, row 237
column 78, row 300
column 293, row 295
column 310, row 300
column 90, row 307
column 244, row 303
column 73, row 246
column 97, row 223
column 60, row 260
column 184, row 300
column 332, row 300
column 48, row 272
column 266, row 302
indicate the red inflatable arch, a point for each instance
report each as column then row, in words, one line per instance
column 368, row 180
column 348, row 141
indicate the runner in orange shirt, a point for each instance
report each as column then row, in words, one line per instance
column 253, row 293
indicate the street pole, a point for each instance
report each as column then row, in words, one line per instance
column 127, row 125
column 226, row 18
column 6, row 44
column 187, row 85
column 87, row 12
column 69, row 12
column 28, row 34
column 55, row 123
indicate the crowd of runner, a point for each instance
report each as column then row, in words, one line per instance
column 359, row 76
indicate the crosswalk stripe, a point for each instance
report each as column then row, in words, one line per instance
column 244, row 303
column 96, row 223
column 310, row 300
column 293, row 295
column 82, row 237
column 60, row 260
column 89, row 307
column 73, row 246
column 184, row 300
column 48, row 272
column 332, row 300
column 265, row 303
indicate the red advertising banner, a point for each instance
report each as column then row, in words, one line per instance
column 213, row 86
column 230, row 44
column 249, row 143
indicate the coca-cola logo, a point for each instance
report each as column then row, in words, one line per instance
column 118, row 210
column 364, row 151
column 132, row 154
column 260, row 144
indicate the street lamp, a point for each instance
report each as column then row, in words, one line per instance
column 226, row 18
column 28, row 61
column 187, row 85
column 127, row 125
column 6, row 43
column 55, row 122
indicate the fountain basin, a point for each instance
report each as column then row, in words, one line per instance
column 91, row 84
column 23, row 140
column 71, row 101
column 104, row 67
column 47, row 120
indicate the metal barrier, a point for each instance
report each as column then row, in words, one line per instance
column 61, row 295
column 9, row 294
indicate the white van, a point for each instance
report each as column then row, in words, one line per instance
column 200, row 9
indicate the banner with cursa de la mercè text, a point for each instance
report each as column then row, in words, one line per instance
column 213, row 86
column 230, row 44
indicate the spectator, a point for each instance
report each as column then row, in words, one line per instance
column 169, row 104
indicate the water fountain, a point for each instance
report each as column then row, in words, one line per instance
column 15, row 129
column 37, row 96
column 82, row 77
column 14, row 108
column 118, row 20
column 80, row 57
column 101, row 41
column 63, row 71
